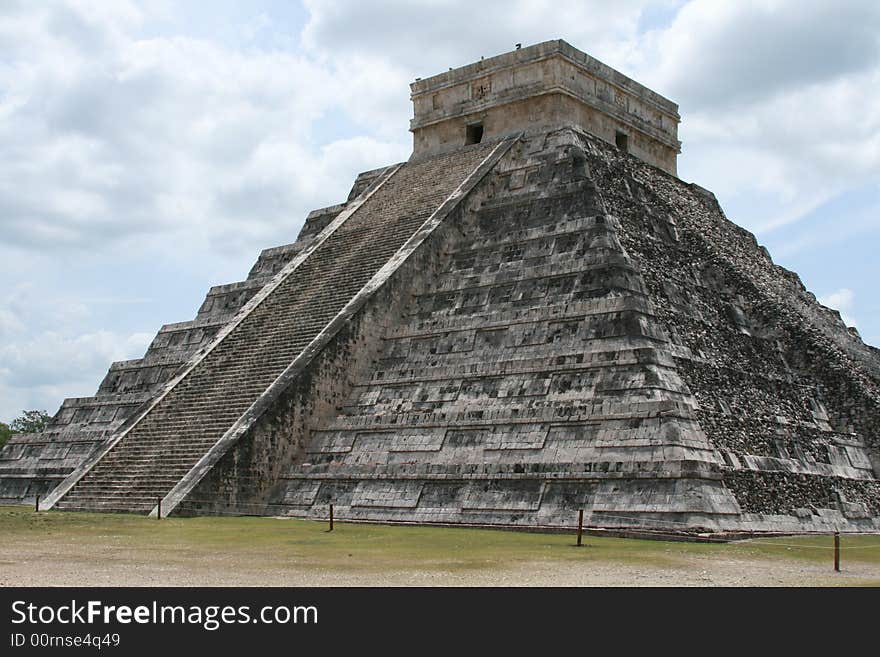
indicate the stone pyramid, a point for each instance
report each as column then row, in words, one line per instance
column 531, row 316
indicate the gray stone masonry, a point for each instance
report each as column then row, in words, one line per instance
column 542, row 87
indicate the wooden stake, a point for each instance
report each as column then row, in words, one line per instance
column 37, row 505
column 580, row 527
column 331, row 517
column 158, row 508
column 837, row 552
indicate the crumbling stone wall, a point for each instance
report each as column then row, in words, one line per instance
column 518, row 387
column 247, row 477
column 527, row 378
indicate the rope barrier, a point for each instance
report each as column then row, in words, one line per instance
column 654, row 526
column 655, row 532
column 815, row 547
column 636, row 523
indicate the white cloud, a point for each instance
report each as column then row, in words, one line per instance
column 38, row 365
column 843, row 301
column 780, row 100
column 425, row 38
column 718, row 54
column 55, row 358
column 111, row 136
column 114, row 137
column 380, row 48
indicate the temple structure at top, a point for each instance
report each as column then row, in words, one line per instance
column 539, row 88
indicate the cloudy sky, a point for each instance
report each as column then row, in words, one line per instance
column 150, row 149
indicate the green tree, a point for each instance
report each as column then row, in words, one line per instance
column 30, row 422
column 5, row 433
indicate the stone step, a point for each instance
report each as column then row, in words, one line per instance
column 122, row 487
column 191, row 417
column 178, row 466
column 141, row 455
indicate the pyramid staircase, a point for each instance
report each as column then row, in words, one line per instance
column 157, row 449
column 528, row 378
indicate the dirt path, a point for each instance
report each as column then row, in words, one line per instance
column 59, row 567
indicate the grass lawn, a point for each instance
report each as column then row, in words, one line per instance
column 109, row 549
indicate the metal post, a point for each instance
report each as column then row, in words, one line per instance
column 158, row 508
column 37, row 504
column 580, row 527
column 331, row 517
column 837, row 552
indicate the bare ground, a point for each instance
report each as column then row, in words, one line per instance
column 59, row 568
column 82, row 550
column 220, row 572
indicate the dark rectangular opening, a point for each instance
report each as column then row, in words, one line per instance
column 474, row 134
column 622, row 141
